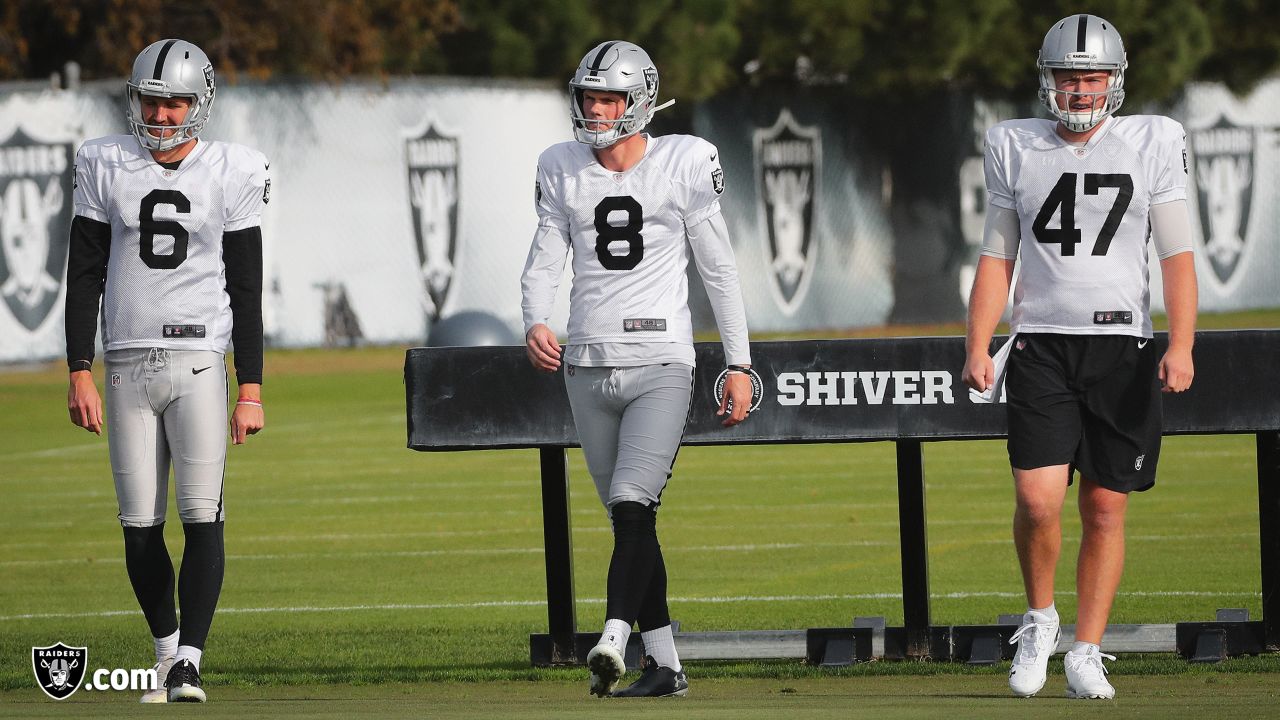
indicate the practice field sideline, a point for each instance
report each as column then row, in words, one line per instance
column 883, row 698
column 354, row 561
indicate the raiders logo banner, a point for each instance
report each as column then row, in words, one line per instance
column 788, row 163
column 432, row 161
column 59, row 669
column 1223, row 168
column 35, row 221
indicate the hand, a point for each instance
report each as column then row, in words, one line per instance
column 979, row 371
column 84, row 403
column 542, row 348
column 1176, row 370
column 247, row 418
column 737, row 387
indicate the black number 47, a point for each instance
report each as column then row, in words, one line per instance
column 1064, row 195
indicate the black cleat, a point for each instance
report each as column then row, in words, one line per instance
column 656, row 681
column 183, row 683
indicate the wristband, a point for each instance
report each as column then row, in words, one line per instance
column 78, row 365
column 738, row 369
column 247, row 401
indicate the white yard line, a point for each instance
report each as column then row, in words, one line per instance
column 714, row 600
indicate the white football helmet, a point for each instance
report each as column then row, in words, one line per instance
column 1082, row 42
column 621, row 67
column 170, row 68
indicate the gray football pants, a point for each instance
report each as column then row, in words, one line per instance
column 630, row 421
column 167, row 406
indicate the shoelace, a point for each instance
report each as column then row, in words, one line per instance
column 1077, row 661
column 1030, row 650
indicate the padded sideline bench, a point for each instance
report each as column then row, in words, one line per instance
column 905, row 390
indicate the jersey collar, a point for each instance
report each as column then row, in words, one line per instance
column 1083, row 151
column 165, row 173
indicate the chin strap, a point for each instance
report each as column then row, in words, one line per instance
column 665, row 105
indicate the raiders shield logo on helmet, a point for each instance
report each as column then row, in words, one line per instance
column 432, row 160
column 59, row 669
column 35, row 222
column 788, row 160
column 1223, row 174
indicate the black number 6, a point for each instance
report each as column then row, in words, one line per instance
column 151, row 227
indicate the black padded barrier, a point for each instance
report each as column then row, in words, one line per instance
column 905, row 390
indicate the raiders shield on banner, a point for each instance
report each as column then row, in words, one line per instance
column 432, row 161
column 59, row 669
column 1224, row 180
column 35, row 220
column 788, row 162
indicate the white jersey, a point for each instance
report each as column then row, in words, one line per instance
column 627, row 231
column 166, row 284
column 1083, row 212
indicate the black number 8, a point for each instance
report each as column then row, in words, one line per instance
column 630, row 233
column 150, row 228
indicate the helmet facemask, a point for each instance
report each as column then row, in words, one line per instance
column 1085, row 120
column 152, row 137
column 608, row 132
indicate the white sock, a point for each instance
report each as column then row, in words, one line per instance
column 1050, row 613
column 616, row 633
column 661, row 646
column 1085, row 648
column 166, row 647
column 186, row 652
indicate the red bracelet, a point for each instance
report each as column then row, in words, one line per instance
column 249, row 401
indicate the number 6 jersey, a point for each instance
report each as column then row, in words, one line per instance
column 165, row 280
column 1083, row 212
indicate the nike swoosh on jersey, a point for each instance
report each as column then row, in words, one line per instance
column 713, row 156
column 197, row 372
column 1142, row 343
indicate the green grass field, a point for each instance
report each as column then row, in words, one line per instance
column 364, row 577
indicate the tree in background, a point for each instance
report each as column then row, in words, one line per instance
column 260, row 39
column 903, row 71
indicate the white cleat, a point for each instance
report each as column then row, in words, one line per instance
column 607, row 669
column 1037, row 638
column 160, row 694
column 1087, row 677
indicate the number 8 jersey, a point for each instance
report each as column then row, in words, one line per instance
column 627, row 231
column 1083, row 214
column 166, row 284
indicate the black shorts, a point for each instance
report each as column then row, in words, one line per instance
column 1091, row 401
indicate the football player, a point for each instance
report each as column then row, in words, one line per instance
column 167, row 233
column 1078, row 197
column 633, row 208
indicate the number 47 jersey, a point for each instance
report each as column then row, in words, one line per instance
column 1083, row 212
column 166, row 284
column 627, row 231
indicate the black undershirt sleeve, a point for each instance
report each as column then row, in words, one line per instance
column 90, row 247
column 242, row 257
